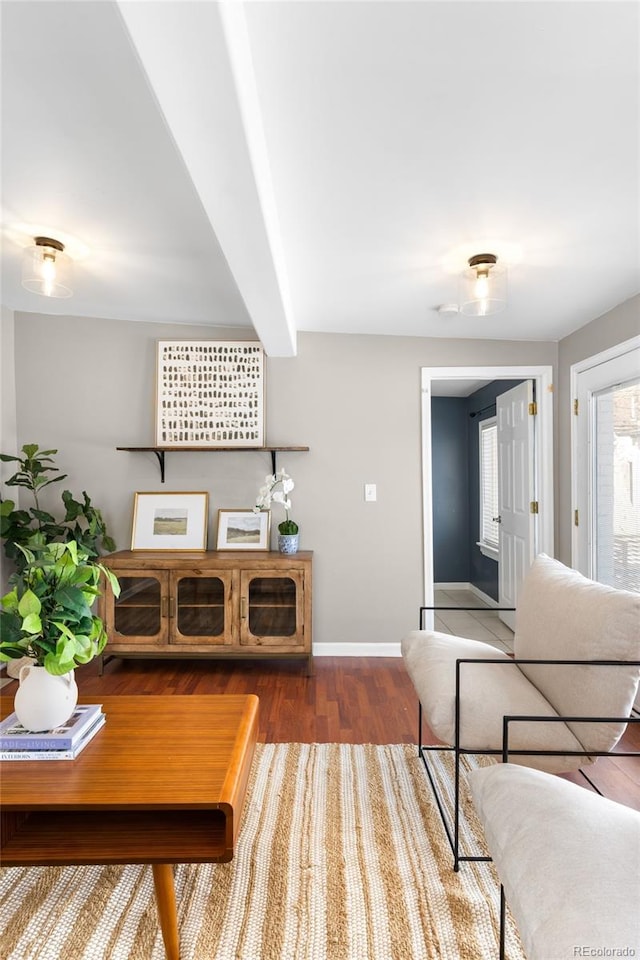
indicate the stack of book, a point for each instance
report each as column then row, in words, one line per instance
column 63, row 743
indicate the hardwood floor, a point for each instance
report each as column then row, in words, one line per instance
column 349, row 700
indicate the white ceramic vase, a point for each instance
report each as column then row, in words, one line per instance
column 43, row 701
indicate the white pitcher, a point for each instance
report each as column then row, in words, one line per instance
column 44, row 701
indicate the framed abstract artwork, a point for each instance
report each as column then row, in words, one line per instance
column 210, row 393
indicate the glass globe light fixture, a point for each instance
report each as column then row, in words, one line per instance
column 46, row 268
column 483, row 287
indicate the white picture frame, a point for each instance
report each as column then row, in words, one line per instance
column 210, row 393
column 170, row 521
column 243, row 529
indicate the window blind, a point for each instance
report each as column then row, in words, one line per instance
column 489, row 530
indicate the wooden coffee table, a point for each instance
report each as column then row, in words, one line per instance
column 163, row 782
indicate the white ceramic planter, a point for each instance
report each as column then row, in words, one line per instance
column 288, row 543
column 43, row 701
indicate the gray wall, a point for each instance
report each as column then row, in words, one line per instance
column 86, row 386
column 620, row 324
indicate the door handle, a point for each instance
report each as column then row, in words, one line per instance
column 496, row 519
column 243, row 608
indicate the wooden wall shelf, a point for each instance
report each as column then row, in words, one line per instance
column 161, row 451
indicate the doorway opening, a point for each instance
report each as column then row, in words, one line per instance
column 433, row 380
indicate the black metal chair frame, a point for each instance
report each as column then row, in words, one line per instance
column 505, row 759
column 453, row 831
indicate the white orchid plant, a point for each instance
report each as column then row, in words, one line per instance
column 276, row 489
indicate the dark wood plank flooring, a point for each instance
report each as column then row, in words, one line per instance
column 349, row 700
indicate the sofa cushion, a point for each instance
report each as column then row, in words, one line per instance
column 488, row 691
column 568, row 860
column 563, row 616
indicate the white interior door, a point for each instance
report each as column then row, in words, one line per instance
column 516, row 491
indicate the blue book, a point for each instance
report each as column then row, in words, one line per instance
column 13, row 735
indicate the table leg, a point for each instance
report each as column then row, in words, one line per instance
column 166, row 903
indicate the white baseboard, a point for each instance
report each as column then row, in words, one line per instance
column 467, row 586
column 458, row 585
column 356, row 650
column 484, row 597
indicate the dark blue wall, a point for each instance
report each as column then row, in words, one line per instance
column 450, row 456
column 456, row 487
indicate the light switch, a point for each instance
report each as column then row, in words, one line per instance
column 370, row 492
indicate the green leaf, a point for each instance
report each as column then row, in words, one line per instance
column 114, row 583
column 32, row 624
column 10, row 601
column 83, row 649
column 11, row 652
column 30, row 450
column 72, row 600
column 56, row 667
column 43, row 516
column 29, row 604
column 10, row 629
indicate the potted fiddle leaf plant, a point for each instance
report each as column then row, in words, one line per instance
column 34, row 526
column 276, row 489
column 47, row 617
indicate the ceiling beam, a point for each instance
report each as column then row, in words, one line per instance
column 197, row 59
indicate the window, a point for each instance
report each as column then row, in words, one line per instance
column 606, row 476
column 488, row 456
column 616, row 497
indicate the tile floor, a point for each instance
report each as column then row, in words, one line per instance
column 483, row 624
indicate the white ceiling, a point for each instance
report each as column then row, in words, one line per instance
column 324, row 166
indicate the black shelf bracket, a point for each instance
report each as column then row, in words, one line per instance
column 160, row 455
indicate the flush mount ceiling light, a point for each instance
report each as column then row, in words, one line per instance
column 483, row 287
column 46, row 268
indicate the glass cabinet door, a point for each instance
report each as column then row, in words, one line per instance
column 271, row 608
column 139, row 612
column 199, row 607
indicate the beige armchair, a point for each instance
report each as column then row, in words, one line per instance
column 572, row 848
column 576, row 655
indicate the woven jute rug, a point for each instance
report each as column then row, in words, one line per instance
column 341, row 856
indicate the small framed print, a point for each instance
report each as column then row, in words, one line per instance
column 210, row 393
column 170, row 521
column 243, row 530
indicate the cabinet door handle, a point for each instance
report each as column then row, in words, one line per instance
column 172, row 610
column 164, row 606
column 243, row 608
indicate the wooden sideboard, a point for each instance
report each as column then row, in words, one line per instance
column 209, row 604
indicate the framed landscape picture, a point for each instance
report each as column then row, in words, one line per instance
column 170, row 521
column 210, row 393
column 243, row 530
